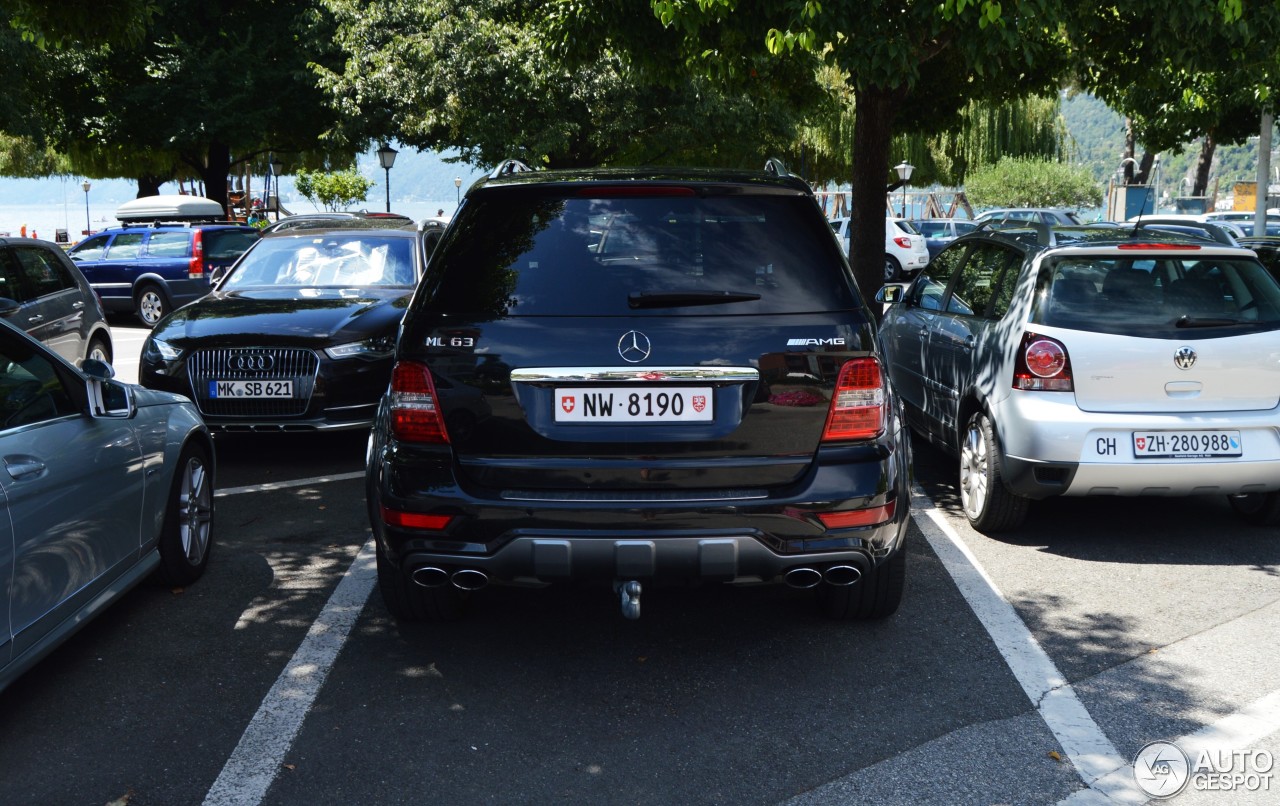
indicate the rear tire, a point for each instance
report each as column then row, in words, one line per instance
column 409, row 601
column 186, row 539
column 987, row 503
column 875, row 596
column 892, row 269
column 150, row 304
column 1259, row 509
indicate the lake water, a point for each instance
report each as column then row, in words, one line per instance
column 44, row 220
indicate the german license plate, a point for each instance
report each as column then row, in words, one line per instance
column 1186, row 444
column 250, row 389
column 631, row 404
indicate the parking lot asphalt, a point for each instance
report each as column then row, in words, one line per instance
column 1029, row 668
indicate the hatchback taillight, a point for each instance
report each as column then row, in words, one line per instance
column 858, row 404
column 1042, row 365
column 415, row 408
column 903, row 241
column 195, row 271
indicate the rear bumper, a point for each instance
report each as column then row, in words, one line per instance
column 1051, row 448
column 672, row 537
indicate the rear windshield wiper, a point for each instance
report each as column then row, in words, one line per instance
column 673, row 299
column 1187, row 321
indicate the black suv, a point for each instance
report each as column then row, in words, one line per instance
column 682, row 384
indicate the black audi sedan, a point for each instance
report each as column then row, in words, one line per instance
column 298, row 336
column 681, row 383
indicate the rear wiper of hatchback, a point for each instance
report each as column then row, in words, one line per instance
column 1186, row 321
column 670, row 299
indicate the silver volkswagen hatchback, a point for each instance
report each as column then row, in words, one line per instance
column 1093, row 361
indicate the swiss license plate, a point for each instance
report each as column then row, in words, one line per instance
column 634, row 404
column 1186, row 444
column 250, row 389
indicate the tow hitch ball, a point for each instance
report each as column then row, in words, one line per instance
column 629, row 593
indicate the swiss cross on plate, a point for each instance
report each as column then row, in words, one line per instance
column 1142, row 443
column 699, row 402
column 566, row 403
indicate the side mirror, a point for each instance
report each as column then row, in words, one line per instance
column 8, row 306
column 107, row 398
column 891, row 293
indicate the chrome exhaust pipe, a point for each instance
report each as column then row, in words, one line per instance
column 430, row 577
column 802, row 578
column 469, row 579
column 841, row 575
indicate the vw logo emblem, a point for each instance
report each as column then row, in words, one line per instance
column 1185, row 358
column 633, row 346
column 251, row 362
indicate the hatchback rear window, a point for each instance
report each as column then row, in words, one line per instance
column 227, row 244
column 1158, row 296
column 530, row 254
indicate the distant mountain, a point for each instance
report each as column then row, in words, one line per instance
column 417, row 176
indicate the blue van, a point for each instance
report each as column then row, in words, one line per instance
column 162, row 255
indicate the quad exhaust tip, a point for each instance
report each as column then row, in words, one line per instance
column 469, row 579
column 840, row 576
column 430, row 577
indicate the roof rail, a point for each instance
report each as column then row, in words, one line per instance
column 774, row 166
column 1211, row 231
column 509, row 167
column 1044, row 232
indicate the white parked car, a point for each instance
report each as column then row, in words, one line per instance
column 1093, row 361
column 905, row 250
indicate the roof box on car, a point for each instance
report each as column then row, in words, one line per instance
column 171, row 208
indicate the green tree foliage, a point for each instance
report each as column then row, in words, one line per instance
column 486, row 78
column 1032, row 182
column 336, row 190
column 913, row 65
column 1181, row 71
column 209, row 89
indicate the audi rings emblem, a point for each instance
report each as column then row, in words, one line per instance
column 1184, row 358
column 633, row 346
column 251, row 362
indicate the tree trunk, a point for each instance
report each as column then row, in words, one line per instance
column 149, row 186
column 1200, row 184
column 875, row 111
column 213, row 172
column 1144, row 168
column 1130, row 145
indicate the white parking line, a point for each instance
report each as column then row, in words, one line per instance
column 1087, row 747
column 261, row 752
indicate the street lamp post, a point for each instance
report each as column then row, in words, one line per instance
column 457, row 190
column 87, row 226
column 904, row 170
column 276, row 165
column 387, row 158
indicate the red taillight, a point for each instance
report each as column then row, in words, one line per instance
column 1042, row 365
column 850, row 518
column 858, row 404
column 903, row 242
column 195, row 271
column 415, row 408
column 415, row 520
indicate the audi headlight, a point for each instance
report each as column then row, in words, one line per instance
column 381, row 347
column 156, row 350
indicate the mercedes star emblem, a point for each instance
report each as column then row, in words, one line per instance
column 633, row 346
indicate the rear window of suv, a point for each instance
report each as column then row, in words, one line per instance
column 1160, row 296
column 526, row 253
column 227, row 244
